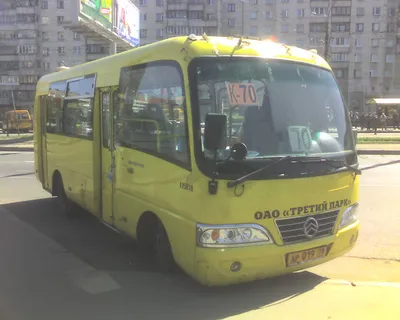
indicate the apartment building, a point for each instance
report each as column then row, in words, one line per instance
column 363, row 35
column 33, row 42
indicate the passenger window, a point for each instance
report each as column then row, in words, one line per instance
column 151, row 111
column 78, row 118
column 55, row 101
column 105, row 99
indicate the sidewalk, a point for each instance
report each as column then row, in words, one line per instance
column 335, row 300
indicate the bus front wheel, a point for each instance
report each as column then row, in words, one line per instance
column 153, row 240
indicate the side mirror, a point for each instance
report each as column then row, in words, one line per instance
column 215, row 131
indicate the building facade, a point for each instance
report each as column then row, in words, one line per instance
column 33, row 42
column 363, row 35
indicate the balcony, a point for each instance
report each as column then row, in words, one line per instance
column 177, row 22
column 177, row 6
column 202, row 23
column 196, row 6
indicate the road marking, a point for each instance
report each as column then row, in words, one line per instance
column 30, row 161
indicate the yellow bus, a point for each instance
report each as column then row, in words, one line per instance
column 15, row 120
column 255, row 176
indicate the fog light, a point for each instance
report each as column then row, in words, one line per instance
column 236, row 266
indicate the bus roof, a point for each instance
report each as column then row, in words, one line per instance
column 182, row 49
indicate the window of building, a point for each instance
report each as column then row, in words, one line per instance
column 388, row 73
column 358, row 57
column 268, row 14
column 376, row 27
column 45, row 36
column 142, row 3
column 44, row 4
column 159, row 17
column 319, row 11
column 375, row 42
column 77, row 50
column 45, row 20
column 390, row 43
column 389, row 58
column 300, row 13
column 60, row 19
column 253, row 15
column 340, row 27
column 143, row 17
column 359, row 27
column 284, row 28
column 195, row 14
column 61, row 50
column 231, row 22
column 60, row 36
column 160, row 33
column 46, row 51
column 285, row 13
column 159, row 3
column 358, row 42
column 340, row 73
column 376, row 11
column 152, row 112
column 60, row 4
column 391, row 12
column 77, row 36
column 253, row 30
column 143, row 33
column 374, row 58
column 341, row 11
column 373, row 73
column 339, row 57
column 46, row 65
column 231, row 7
column 340, row 42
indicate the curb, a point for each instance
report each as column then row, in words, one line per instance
column 13, row 141
column 25, row 149
column 378, row 152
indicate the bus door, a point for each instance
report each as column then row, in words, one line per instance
column 43, row 142
column 107, row 156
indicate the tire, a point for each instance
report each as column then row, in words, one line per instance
column 64, row 205
column 162, row 249
column 154, row 245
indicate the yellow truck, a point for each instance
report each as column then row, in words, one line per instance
column 253, row 174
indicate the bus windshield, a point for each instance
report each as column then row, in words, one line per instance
column 276, row 108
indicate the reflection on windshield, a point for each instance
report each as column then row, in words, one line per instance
column 274, row 107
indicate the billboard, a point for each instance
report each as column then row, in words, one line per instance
column 98, row 10
column 128, row 21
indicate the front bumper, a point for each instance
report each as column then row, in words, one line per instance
column 213, row 266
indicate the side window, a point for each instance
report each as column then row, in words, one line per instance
column 151, row 111
column 78, row 108
column 54, row 123
column 105, row 101
column 78, row 118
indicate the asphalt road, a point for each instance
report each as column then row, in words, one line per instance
column 58, row 267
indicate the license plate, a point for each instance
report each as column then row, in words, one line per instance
column 305, row 256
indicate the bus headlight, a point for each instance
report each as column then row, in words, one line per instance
column 349, row 216
column 237, row 235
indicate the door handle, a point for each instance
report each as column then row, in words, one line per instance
column 130, row 170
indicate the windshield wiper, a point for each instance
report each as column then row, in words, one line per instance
column 234, row 183
column 337, row 164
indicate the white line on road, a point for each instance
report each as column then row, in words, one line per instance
column 30, row 161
